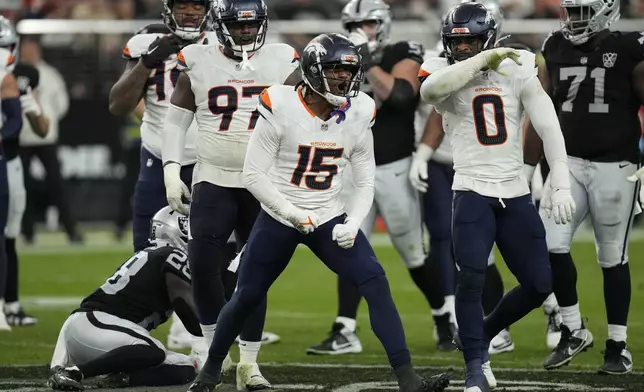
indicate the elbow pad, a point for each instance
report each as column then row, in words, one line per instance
column 12, row 111
column 401, row 92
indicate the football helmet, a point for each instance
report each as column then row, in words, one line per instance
column 331, row 67
column 234, row 22
column 360, row 11
column 186, row 26
column 171, row 227
column 494, row 7
column 9, row 40
column 581, row 19
column 469, row 23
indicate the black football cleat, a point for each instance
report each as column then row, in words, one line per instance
column 201, row 386
column 437, row 383
column 617, row 359
column 68, row 379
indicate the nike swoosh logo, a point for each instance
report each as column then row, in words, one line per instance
column 153, row 49
column 336, row 346
column 621, row 166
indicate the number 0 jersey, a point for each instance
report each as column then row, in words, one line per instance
column 594, row 95
column 157, row 95
column 310, row 153
column 483, row 121
column 137, row 291
column 226, row 99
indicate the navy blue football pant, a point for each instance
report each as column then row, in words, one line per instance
column 520, row 236
column 268, row 252
column 215, row 212
column 437, row 206
column 149, row 195
column 4, row 211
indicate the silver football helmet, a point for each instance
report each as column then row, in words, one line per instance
column 9, row 39
column 358, row 11
column 581, row 19
column 171, row 227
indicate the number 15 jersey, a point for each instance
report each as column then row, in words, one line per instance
column 226, row 96
column 484, row 123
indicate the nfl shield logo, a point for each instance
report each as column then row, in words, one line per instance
column 584, row 60
column 609, row 59
column 325, row 127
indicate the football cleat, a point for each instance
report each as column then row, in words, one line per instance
column 341, row 340
column 249, row 378
column 489, row 375
column 199, row 355
column 445, row 333
column 501, row 343
column 201, row 386
column 20, row 319
column 617, row 359
column 68, row 379
column 267, row 338
column 553, row 332
column 4, row 325
column 570, row 344
column 437, row 383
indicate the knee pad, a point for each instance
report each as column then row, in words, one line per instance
column 470, row 285
column 610, row 255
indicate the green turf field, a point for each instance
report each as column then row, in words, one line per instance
column 301, row 309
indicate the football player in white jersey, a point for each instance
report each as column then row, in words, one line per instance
column 218, row 89
column 481, row 92
column 304, row 139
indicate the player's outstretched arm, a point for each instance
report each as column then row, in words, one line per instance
column 11, row 108
column 128, row 90
column 180, row 294
column 429, row 142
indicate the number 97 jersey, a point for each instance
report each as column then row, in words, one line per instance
column 483, row 121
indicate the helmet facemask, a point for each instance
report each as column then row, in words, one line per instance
column 182, row 19
column 461, row 47
column 336, row 82
column 243, row 36
column 579, row 22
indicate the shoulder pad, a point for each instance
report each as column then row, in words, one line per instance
column 367, row 108
column 210, row 38
column 432, row 65
column 155, row 28
column 550, row 40
column 188, row 56
column 282, row 52
column 176, row 262
column 138, row 45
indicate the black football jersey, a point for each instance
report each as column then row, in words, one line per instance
column 137, row 290
column 594, row 96
column 393, row 131
column 26, row 76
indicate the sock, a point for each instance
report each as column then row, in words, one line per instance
column 348, row 299
column 123, row 360
column 11, row 292
column 427, row 278
column 564, row 279
column 248, row 351
column 550, row 304
column 347, row 322
column 11, row 307
column 517, row 303
column 493, row 291
column 450, row 301
column 208, row 332
column 617, row 332
column 571, row 317
column 617, row 293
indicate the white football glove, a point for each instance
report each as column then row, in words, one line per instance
column 560, row 205
column 175, row 189
column 304, row 221
column 638, row 176
column 345, row 233
column 358, row 37
column 494, row 57
column 418, row 169
column 29, row 103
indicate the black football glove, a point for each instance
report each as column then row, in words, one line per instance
column 160, row 50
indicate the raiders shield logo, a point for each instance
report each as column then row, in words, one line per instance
column 183, row 225
column 609, row 59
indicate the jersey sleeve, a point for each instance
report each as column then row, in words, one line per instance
column 265, row 106
column 529, row 66
column 408, row 50
column 430, row 66
column 290, row 62
column 548, row 43
column 636, row 47
column 138, row 46
column 186, row 58
column 176, row 262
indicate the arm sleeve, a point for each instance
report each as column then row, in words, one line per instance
column 176, row 124
column 363, row 164
column 544, row 119
column 442, row 83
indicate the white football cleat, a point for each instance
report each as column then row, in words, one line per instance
column 501, row 343
column 489, row 376
column 249, row 378
column 178, row 337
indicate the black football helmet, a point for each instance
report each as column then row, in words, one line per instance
column 332, row 67
column 471, row 23
column 229, row 15
column 178, row 22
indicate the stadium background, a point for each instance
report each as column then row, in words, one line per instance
column 83, row 40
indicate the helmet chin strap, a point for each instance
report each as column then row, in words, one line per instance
column 245, row 63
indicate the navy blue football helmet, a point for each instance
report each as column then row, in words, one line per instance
column 186, row 26
column 469, row 23
column 332, row 67
column 240, row 24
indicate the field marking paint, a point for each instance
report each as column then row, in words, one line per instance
column 457, row 385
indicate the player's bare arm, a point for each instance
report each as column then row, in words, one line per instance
column 180, row 293
column 33, row 112
column 399, row 86
column 11, row 109
column 127, row 92
column 434, row 132
column 183, row 96
column 533, row 145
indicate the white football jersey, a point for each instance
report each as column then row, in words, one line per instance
column 483, row 121
column 313, row 153
column 157, row 96
column 226, row 96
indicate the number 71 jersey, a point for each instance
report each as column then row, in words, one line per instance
column 484, row 123
column 226, row 96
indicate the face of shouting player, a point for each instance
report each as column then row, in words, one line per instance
column 244, row 32
column 339, row 79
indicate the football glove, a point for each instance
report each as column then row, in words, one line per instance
column 418, row 169
column 304, row 221
column 29, row 104
column 345, row 234
column 559, row 205
column 638, row 176
column 360, row 40
column 160, row 49
column 494, row 57
column 175, row 189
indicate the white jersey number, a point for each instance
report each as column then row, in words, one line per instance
column 121, row 277
column 232, row 103
column 579, row 74
column 482, row 133
column 317, row 167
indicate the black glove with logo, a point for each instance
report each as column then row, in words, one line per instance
column 160, row 50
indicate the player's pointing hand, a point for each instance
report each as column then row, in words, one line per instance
column 494, row 57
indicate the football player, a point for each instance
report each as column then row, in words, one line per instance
column 391, row 71
column 109, row 334
column 596, row 78
column 218, row 87
column 27, row 78
column 303, row 140
column 481, row 92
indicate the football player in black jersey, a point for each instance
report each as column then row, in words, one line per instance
column 27, row 78
column 391, row 71
column 596, row 78
column 110, row 332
